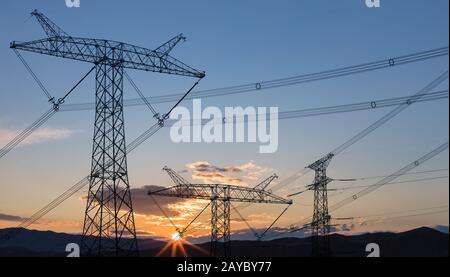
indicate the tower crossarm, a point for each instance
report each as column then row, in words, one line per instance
column 176, row 178
column 321, row 163
column 165, row 49
column 264, row 184
column 49, row 27
column 222, row 193
column 110, row 52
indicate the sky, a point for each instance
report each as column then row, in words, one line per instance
column 235, row 42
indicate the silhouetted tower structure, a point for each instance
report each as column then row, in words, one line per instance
column 109, row 226
column 320, row 225
column 221, row 197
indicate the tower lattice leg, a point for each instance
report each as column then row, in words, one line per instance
column 321, row 223
column 220, row 226
column 321, row 218
column 109, row 227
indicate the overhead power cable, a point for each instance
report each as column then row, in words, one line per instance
column 289, row 81
column 50, row 98
column 380, row 122
column 440, row 207
column 390, row 178
column 384, row 219
column 409, row 173
column 185, row 229
column 368, row 105
column 378, row 184
column 405, row 103
column 86, row 180
column 26, row 132
column 164, row 213
column 139, row 92
column 393, row 183
column 40, row 121
column 245, row 221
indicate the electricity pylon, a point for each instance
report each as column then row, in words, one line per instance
column 221, row 197
column 320, row 225
column 109, row 227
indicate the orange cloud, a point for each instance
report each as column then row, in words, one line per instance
column 236, row 174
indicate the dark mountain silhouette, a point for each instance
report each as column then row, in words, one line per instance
column 441, row 228
column 421, row 242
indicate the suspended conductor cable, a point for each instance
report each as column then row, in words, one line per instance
column 40, row 121
column 245, row 221
column 39, row 82
column 164, row 213
column 289, row 81
column 185, row 229
column 390, row 178
column 380, row 183
column 81, row 184
column 260, row 237
column 413, row 99
column 145, row 100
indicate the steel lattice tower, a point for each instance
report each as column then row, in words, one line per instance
column 221, row 197
column 109, row 227
column 109, row 210
column 320, row 225
column 220, row 222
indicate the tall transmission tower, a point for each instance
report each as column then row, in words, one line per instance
column 320, row 225
column 221, row 197
column 109, row 226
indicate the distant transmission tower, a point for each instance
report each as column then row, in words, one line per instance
column 320, row 225
column 221, row 197
column 109, row 226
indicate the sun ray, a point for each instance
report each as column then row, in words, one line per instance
column 196, row 247
column 164, row 249
column 174, row 250
column 182, row 250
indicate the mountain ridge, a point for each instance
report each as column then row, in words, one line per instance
column 422, row 242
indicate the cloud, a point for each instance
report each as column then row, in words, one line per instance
column 176, row 208
column 256, row 220
column 39, row 136
column 236, row 174
column 143, row 203
column 216, row 178
column 207, row 167
column 11, row 218
column 342, row 228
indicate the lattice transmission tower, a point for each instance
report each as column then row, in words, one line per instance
column 221, row 197
column 320, row 225
column 109, row 226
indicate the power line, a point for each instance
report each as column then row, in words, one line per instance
column 409, row 173
column 39, row 82
column 421, row 93
column 393, row 183
column 289, row 81
column 368, row 105
column 390, row 178
column 40, row 121
column 139, row 92
column 412, row 215
column 258, row 86
column 401, row 212
column 301, row 225
column 83, row 182
column 244, row 220
column 164, row 213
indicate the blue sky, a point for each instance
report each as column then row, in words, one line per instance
column 235, row 42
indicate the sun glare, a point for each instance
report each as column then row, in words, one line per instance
column 177, row 244
column 176, row 236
